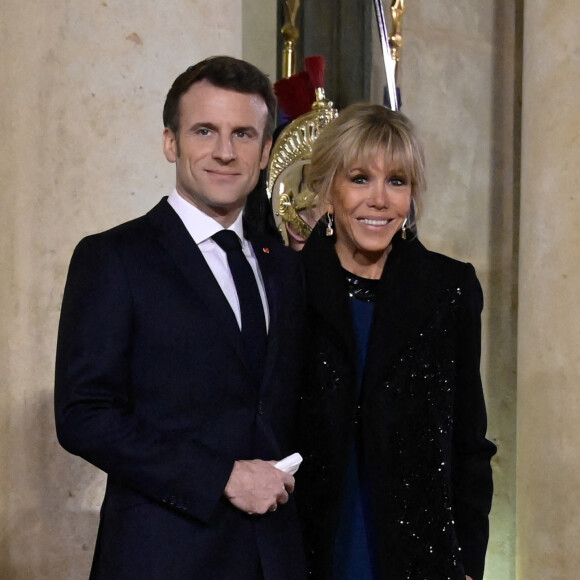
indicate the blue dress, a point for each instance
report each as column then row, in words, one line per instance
column 355, row 546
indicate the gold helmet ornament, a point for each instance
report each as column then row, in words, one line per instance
column 293, row 204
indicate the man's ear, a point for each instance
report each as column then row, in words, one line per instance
column 266, row 154
column 170, row 145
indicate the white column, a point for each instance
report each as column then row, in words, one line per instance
column 548, row 428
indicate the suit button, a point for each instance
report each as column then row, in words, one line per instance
column 260, row 408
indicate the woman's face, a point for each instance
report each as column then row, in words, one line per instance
column 370, row 200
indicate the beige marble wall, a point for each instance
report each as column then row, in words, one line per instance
column 459, row 86
column 260, row 33
column 548, row 475
column 83, row 85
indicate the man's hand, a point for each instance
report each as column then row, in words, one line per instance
column 257, row 487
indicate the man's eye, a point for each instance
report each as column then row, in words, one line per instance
column 241, row 134
column 203, row 131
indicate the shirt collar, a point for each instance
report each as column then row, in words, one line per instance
column 200, row 226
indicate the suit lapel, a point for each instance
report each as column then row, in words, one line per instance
column 265, row 255
column 186, row 256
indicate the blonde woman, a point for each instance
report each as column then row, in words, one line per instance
column 396, row 481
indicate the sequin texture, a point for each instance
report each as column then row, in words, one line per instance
column 363, row 289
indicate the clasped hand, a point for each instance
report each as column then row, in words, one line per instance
column 256, row 486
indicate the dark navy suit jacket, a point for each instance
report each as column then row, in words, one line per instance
column 152, row 387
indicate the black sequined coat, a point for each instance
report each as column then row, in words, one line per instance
column 421, row 417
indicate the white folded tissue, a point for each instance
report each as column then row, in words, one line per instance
column 289, row 464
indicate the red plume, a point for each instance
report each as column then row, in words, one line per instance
column 295, row 95
column 315, row 66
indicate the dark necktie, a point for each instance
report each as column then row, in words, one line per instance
column 252, row 310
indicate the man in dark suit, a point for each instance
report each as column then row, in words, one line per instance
column 157, row 381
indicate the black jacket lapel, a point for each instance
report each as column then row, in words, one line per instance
column 327, row 293
column 175, row 238
column 409, row 290
column 402, row 307
column 265, row 252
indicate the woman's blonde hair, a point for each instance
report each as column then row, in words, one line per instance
column 358, row 134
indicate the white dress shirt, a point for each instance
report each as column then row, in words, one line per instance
column 202, row 227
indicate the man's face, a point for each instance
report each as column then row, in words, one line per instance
column 219, row 149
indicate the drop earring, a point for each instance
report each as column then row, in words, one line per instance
column 404, row 229
column 329, row 222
